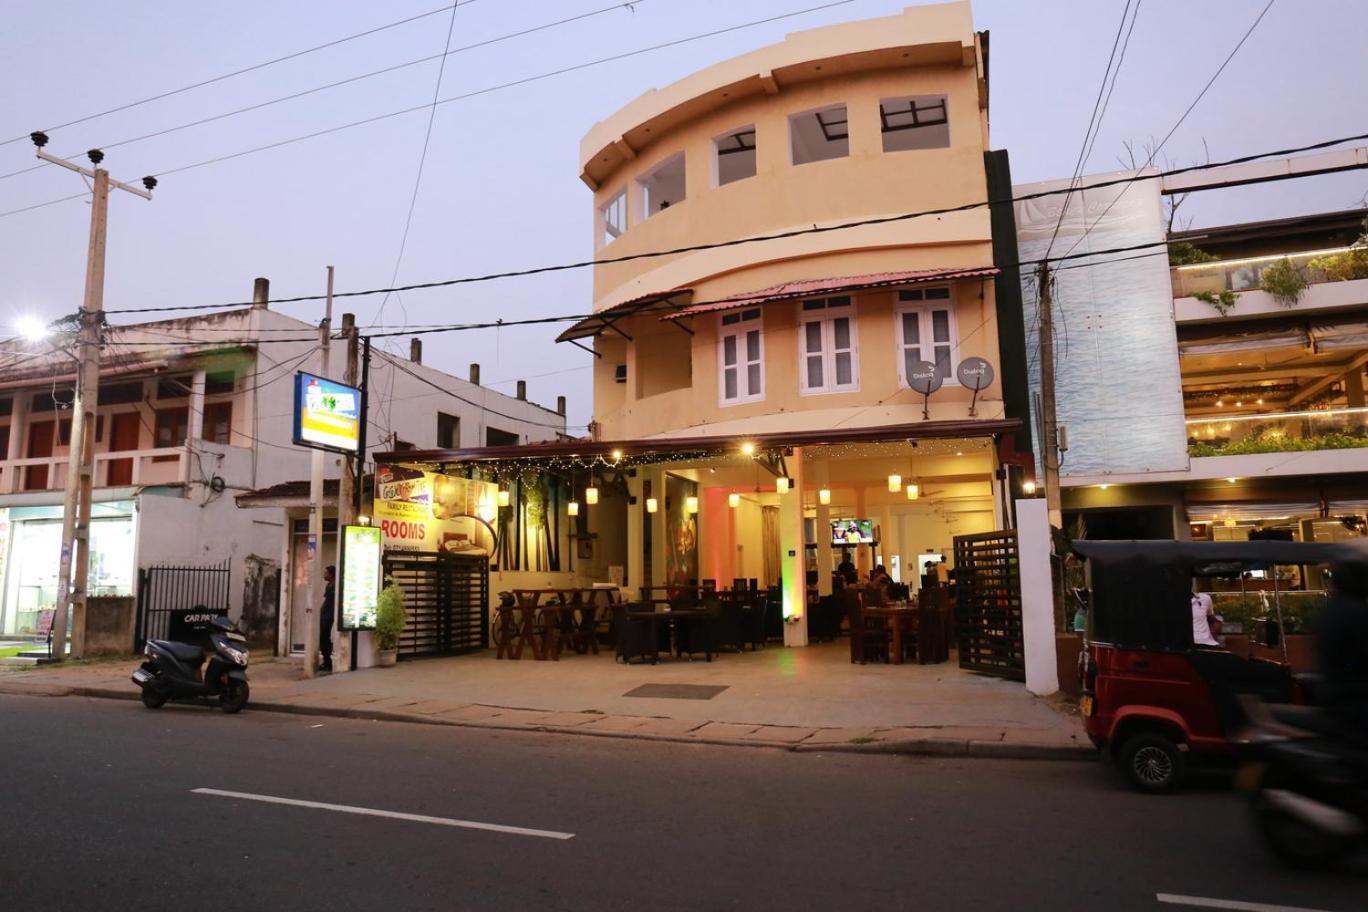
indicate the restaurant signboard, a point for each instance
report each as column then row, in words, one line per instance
column 327, row 414
column 359, row 586
column 429, row 512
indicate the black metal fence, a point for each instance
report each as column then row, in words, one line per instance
column 988, row 604
column 164, row 589
column 447, row 600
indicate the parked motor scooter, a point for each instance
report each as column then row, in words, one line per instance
column 1308, row 781
column 172, row 669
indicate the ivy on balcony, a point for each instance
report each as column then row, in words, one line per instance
column 1270, row 443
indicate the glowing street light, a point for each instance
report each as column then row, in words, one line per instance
column 32, row 328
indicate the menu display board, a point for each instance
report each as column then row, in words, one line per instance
column 429, row 512
column 327, row 414
column 359, row 587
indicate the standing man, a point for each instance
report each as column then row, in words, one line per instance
column 326, row 618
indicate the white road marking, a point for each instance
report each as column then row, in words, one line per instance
column 1207, row 902
column 319, row 725
column 395, row 815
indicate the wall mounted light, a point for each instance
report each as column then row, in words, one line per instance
column 1028, row 488
column 747, row 449
column 691, row 504
column 591, row 496
column 617, row 455
column 824, row 496
column 652, row 505
column 894, row 484
column 503, row 497
column 781, row 484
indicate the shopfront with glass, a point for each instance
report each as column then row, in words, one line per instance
column 30, row 554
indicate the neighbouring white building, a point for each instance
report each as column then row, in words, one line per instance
column 193, row 413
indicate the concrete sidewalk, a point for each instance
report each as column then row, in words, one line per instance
column 798, row 699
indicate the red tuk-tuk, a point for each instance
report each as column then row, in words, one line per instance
column 1151, row 698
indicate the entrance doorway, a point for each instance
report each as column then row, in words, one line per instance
column 123, row 436
column 299, row 575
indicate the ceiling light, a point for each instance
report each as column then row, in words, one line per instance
column 503, row 498
column 617, row 455
column 913, row 492
column 572, row 508
column 747, row 449
column 591, row 496
column 824, row 496
column 781, row 484
column 733, row 500
column 894, row 484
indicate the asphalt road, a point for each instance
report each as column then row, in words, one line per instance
column 100, row 812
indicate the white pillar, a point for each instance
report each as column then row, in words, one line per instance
column 892, row 534
column 1037, row 596
column 792, row 563
column 821, row 472
column 195, row 426
column 636, row 531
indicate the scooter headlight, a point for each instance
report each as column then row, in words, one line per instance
column 149, row 651
column 237, row 655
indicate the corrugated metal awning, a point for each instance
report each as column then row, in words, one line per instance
column 604, row 319
column 807, row 288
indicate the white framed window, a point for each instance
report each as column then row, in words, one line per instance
column 926, row 331
column 827, row 350
column 914, row 122
column 819, row 135
column 662, row 186
column 614, row 215
column 740, row 357
column 734, row 155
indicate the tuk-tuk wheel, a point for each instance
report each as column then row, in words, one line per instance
column 1152, row 762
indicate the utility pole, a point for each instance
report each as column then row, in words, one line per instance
column 316, row 511
column 345, row 647
column 1049, row 443
column 76, row 497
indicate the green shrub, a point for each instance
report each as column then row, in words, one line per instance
column 1272, row 444
column 1299, row 609
column 1184, row 254
column 1341, row 267
column 390, row 616
column 1284, row 281
column 1221, row 300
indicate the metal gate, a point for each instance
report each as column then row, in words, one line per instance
column 988, row 604
column 447, row 600
column 164, row 589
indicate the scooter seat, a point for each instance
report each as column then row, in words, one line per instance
column 183, row 651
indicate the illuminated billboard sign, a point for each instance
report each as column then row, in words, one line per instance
column 359, row 594
column 327, row 414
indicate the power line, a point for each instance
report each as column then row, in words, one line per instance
column 399, row 365
column 239, row 72
column 1200, row 95
column 447, row 52
column 733, row 242
column 52, row 202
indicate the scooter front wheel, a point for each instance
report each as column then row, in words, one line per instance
column 234, row 696
column 153, row 698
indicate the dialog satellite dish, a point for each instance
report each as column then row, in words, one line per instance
column 975, row 374
column 925, row 378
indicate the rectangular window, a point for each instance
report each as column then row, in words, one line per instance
column 663, row 186
column 735, row 155
column 614, row 218
column 173, row 387
column 926, row 330
column 496, row 437
column 819, row 135
column 448, row 431
column 172, row 425
column 914, row 122
column 218, row 422
column 741, row 357
column 218, row 383
column 829, row 359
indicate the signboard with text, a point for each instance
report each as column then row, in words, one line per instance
column 429, row 512
column 327, row 414
column 359, row 585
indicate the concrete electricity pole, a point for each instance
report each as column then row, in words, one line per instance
column 71, row 593
column 316, row 510
column 346, row 486
column 1049, row 443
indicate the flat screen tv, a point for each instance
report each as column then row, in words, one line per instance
column 852, row 532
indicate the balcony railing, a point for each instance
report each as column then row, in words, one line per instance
column 1280, row 432
column 1245, row 274
column 165, row 465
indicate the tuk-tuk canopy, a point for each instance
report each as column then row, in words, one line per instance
column 1142, row 590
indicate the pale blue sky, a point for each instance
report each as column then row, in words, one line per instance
column 500, row 189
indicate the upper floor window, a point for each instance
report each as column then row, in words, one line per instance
column 172, row 426
column 741, row 357
column 819, row 135
column 827, row 347
column 218, row 422
column 448, row 431
column 926, row 330
column 914, row 122
column 662, row 186
column 735, row 155
column 614, row 215
column 496, row 437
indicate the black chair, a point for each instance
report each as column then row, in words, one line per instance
column 870, row 639
column 727, row 624
column 774, row 614
column 636, row 637
column 694, row 629
column 824, row 619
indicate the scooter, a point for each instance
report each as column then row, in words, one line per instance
column 172, row 669
column 1309, row 785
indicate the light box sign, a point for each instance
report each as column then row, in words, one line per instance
column 433, row 513
column 359, row 594
column 327, row 414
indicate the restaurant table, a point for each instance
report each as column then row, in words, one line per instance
column 673, row 617
column 902, row 618
column 570, row 599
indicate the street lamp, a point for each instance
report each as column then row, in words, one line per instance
column 32, row 328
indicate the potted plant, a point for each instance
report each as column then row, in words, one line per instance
column 390, row 617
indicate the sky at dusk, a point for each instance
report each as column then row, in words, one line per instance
column 500, row 189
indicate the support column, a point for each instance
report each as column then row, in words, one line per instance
column 892, row 534
column 864, row 555
column 821, row 476
column 636, row 531
column 659, row 546
column 18, row 431
column 1353, row 394
column 1037, row 596
column 195, row 426
column 793, row 585
column 714, row 534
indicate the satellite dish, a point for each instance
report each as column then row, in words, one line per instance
column 974, row 374
column 925, row 378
